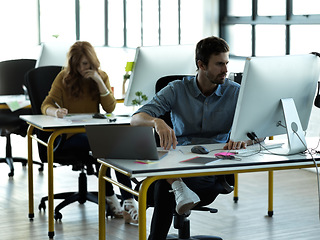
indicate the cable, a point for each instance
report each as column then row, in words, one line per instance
column 254, row 137
column 316, row 166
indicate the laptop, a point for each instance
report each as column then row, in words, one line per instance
column 123, row 142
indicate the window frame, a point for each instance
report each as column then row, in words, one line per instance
column 106, row 23
column 287, row 20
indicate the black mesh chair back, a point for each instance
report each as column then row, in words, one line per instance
column 161, row 83
column 12, row 74
column 38, row 82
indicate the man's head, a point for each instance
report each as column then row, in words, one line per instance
column 208, row 46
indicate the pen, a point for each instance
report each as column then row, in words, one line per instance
column 57, row 104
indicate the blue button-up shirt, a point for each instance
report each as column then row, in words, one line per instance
column 196, row 119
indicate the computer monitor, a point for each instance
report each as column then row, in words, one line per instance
column 151, row 63
column 53, row 54
column 276, row 97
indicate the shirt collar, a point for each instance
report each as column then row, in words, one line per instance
column 197, row 92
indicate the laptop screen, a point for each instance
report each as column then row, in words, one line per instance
column 122, row 142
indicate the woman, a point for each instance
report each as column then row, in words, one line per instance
column 80, row 88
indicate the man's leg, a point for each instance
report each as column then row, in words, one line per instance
column 207, row 188
column 164, row 204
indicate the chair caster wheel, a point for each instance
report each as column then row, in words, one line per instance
column 57, row 216
column 10, row 174
column 41, row 169
column 42, row 205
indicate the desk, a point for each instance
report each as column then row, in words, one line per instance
column 14, row 102
column 11, row 106
column 73, row 124
column 170, row 167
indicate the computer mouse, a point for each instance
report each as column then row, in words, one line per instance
column 99, row 115
column 199, row 150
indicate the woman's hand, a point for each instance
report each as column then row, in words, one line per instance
column 61, row 112
column 94, row 75
column 57, row 112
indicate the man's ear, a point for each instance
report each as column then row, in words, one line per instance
column 201, row 65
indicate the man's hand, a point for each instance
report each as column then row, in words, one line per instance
column 166, row 134
column 231, row 145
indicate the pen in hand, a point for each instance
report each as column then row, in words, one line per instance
column 56, row 104
column 60, row 112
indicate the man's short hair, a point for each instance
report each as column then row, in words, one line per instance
column 208, row 46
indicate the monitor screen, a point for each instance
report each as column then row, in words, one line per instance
column 276, row 97
column 53, row 54
column 151, row 63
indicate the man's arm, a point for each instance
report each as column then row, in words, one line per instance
column 166, row 133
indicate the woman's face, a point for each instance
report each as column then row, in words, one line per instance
column 84, row 65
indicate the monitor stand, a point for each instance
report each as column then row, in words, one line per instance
column 295, row 134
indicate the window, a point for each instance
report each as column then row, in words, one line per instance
column 57, row 19
column 239, row 7
column 270, row 27
column 304, row 38
column 121, row 23
column 306, row 7
column 92, row 22
column 133, row 23
column 271, row 7
column 150, row 23
column 270, row 40
column 169, row 22
column 115, row 26
column 19, row 28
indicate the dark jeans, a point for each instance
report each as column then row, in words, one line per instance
column 207, row 188
column 80, row 141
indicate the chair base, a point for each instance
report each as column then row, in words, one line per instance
column 70, row 197
column 182, row 224
column 11, row 160
column 198, row 237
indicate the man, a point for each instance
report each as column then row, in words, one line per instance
column 202, row 110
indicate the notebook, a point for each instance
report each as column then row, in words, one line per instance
column 123, row 142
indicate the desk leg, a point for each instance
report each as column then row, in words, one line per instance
column 30, row 172
column 143, row 207
column 102, row 202
column 50, row 185
column 270, row 196
column 236, row 188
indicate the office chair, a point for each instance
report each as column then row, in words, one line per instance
column 38, row 82
column 181, row 222
column 11, row 80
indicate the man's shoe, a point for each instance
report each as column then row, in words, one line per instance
column 227, row 183
column 186, row 199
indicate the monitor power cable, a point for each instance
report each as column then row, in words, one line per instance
column 254, row 137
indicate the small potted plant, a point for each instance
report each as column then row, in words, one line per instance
column 139, row 99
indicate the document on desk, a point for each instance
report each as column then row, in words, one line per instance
column 15, row 102
column 201, row 160
column 78, row 117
